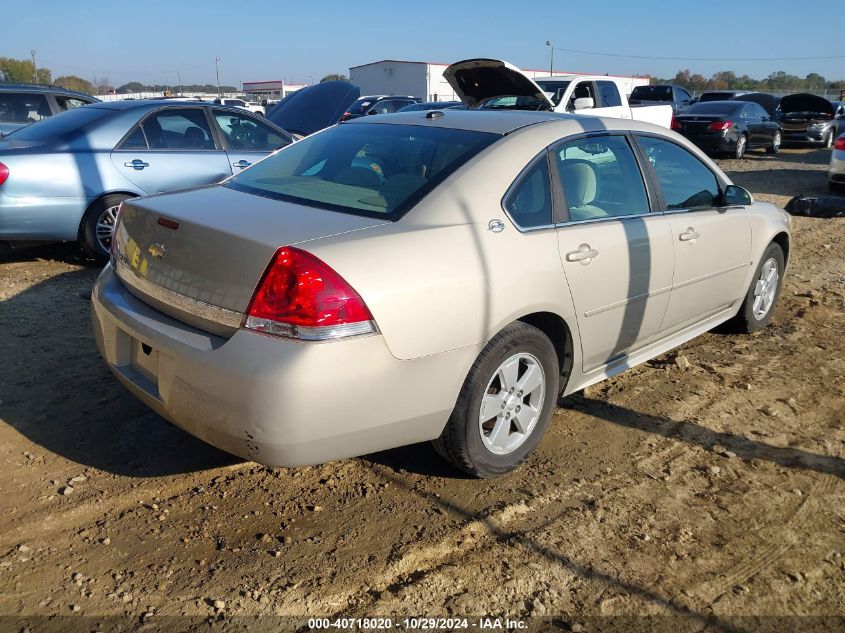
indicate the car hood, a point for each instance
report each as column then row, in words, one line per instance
column 477, row 80
column 768, row 102
column 313, row 108
column 803, row 102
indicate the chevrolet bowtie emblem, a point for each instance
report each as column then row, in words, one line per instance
column 157, row 250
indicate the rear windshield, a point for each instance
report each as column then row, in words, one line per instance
column 652, row 93
column 61, row 126
column 371, row 169
column 716, row 107
column 715, row 96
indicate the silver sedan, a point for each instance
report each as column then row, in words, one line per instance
column 441, row 275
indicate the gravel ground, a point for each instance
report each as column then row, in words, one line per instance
column 671, row 496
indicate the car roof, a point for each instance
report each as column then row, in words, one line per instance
column 130, row 104
column 42, row 89
column 500, row 122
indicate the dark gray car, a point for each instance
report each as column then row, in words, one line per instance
column 22, row 104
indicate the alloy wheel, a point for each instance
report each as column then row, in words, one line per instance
column 765, row 289
column 512, row 403
column 105, row 227
column 740, row 147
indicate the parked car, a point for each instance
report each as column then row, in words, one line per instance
column 807, row 118
column 720, row 95
column 314, row 107
column 252, row 106
column 336, row 314
column 22, row 104
column 770, row 103
column 729, row 127
column 105, row 153
column 493, row 84
column 431, row 105
column 836, row 172
column 377, row 104
column 676, row 96
column 838, row 118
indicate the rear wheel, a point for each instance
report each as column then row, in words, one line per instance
column 741, row 146
column 759, row 302
column 95, row 233
column 774, row 148
column 505, row 403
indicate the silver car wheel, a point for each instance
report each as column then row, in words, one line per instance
column 765, row 289
column 776, row 141
column 512, row 402
column 105, row 227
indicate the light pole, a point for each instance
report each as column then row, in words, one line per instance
column 179, row 79
column 217, row 71
column 551, row 57
column 34, row 66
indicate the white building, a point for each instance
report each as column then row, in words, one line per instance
column 425, row 79
column 270, row 89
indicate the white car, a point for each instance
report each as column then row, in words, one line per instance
column 836, row 172
column 493, row 84
column 252, row 106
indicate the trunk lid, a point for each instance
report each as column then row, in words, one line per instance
column 478, row 80
column 697, row 123
column 198, row 254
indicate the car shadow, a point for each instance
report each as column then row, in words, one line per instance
column 56, row 390
column 693, row 433
column 67, row 252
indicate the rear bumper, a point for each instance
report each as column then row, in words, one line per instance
column 271, row 400
column 40, row 218
column 713, row 143
column 836, row 173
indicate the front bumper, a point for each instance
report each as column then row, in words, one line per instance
column 270, row 400
column 813, row 136
column 836, row 172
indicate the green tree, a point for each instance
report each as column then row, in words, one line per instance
column 22, row 71
column 132, row 86
column 334, row 77
column 72, row 82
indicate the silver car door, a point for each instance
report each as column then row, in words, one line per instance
column 712, row 243
column 246, row 138
column 617, row 256
column 172, row 148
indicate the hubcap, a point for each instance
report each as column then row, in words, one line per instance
column 105, row 227
column 765, row 289
column 512, row 402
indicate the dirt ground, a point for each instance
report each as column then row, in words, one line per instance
column 707, row 496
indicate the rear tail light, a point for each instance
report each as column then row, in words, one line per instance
column 675, row 124
column 301, row 297
column 720, row 126
column 4, row 173
column 839, row 144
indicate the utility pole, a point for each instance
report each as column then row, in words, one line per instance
column 551, row 57
column 179, row 79
column 34, row 66
column 217, row 70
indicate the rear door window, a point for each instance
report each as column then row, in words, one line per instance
column 600, row 178
column 529, row 203
column 685, row 181
column 22, row 107
column 182, row 128
column 245, row 133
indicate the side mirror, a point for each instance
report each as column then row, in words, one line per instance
column 736, row 196
column 582, row 103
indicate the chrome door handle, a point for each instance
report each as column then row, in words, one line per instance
column 584, row 254
column 689, row 235
column 242, row 164
column 497, row 226
column 136, row 164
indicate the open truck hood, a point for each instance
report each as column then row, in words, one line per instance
column 477, row 80
column 804, row 102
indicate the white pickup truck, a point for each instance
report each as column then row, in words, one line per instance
column 493, row 84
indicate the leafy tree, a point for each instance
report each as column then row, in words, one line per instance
column 22, row 71
column 132, row 86
column 72, row 82
column 334, row 77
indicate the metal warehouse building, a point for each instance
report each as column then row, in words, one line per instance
column 425, row 79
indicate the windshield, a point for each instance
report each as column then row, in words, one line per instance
column 370, row 169
column 62, row 125
column 553, row 88
column 514, row 103
column 360, row 106
column 715, row 107
column 652, row 93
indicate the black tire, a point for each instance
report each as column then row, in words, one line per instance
column 88, row 228
column 774, row 148
column 835, row 187
column 741, row 146
column 745, row 320
column 461, row 441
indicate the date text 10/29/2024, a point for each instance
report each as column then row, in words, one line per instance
column 417, row 624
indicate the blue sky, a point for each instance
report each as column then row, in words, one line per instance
column 149, row 41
